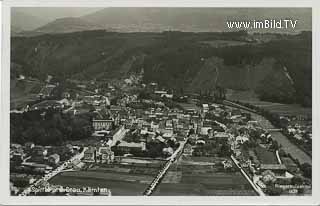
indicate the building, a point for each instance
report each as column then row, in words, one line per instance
column 205, row 108
column 90, row 155
column 54, row 159
column 102, row 124
column 241, row 139
column 131, row 147
column 46, row 91
column 106, row 155
column 188, row 150
column 221, row 136
column 278, row 169
column 29, row 145
column 205, row 130
column 95, row 100
column 39, row 151
column 160, row 93
column 17, row 157
column 47, row 104
column 65, row 102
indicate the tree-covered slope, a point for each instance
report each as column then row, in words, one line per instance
column 177, row 60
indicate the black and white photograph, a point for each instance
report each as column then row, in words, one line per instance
column 160, row 101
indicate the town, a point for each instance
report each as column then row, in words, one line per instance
column 136, row 138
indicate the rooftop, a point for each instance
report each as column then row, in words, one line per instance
column 273, row 167
column 131, row 144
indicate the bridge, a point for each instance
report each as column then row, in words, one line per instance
column 162, row 172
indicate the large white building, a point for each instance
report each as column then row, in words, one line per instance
column 102, row 124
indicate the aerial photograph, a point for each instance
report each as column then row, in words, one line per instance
column 160, row 101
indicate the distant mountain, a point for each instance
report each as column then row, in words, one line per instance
column 164, row 19
column 25, row 22
column 15, row 31
column 66, row 25
column 191, row 19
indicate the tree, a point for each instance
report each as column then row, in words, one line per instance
column 306, row 170
column 224, row 150
column 268, row 177
column 274, row 145
column 274, row 191
column 297, row 180
column 282, row 153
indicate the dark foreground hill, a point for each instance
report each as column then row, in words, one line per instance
column 278, row 70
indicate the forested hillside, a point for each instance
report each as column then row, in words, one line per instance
column 277, row 70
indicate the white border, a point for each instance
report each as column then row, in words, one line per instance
column 154, row 200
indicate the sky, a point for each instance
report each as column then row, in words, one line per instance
column 208, row 17
column 52, row 13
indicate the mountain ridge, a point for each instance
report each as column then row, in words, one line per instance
column 165, row 19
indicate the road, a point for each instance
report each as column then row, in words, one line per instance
column 256, row 188
column 119, row 135
column 40, row 183
column 287, row 145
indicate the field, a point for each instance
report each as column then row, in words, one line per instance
column 191, row 176
column 207, row 184
column 202, row 176
column 282, row 109
column 279, row 108
column 117, row 187
column 119, row 183
column 265, row 156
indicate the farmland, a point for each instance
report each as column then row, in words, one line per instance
column 265, row 156
column 117, row 187
column 282, row 109
column 278, row 108
column 207, row 184
column 203, row 176
column 119, row 183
